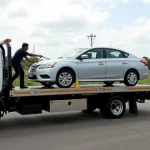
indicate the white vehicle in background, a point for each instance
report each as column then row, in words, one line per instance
column 102, row 64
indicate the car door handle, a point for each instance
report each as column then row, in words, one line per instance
column 100, row 63
column 124, row 63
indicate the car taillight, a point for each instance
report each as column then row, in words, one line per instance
column 144, row 62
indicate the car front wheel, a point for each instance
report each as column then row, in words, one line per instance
column 65, row 78
column 131, row 78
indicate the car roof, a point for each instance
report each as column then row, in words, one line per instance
column 103, row 47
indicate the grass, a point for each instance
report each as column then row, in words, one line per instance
column 29, row 83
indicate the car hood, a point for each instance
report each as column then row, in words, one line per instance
column 51, row 61
column 44, row 62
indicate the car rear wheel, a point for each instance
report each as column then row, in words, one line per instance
column 65, row 78
column 131, row 78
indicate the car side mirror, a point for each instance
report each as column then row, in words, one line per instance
column 84, row 56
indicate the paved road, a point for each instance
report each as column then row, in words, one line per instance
column 75, row 131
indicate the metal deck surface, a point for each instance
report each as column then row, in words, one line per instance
column 81, row 86
column 83, row 89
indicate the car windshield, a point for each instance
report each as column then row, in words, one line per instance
column 74, row 53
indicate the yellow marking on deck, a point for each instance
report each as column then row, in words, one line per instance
column 106, row 89
column 68, row 91
column 137, row 89
column 21, row 93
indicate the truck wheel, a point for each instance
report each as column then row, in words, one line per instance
column 108, row 83
column 65, row 78
column 131, row 78
column 114, row 107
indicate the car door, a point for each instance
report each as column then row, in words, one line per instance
column 116, row 63
column 92, row 68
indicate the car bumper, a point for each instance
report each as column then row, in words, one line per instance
column 43, row 75
column 143, row 73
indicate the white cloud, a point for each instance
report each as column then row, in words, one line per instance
column 133, row 38
column 55, row 27
column 112, row 6
column 147, row 1
column 127, row 1
column 140, row 20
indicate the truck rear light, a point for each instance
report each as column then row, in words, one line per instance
column 144, row 62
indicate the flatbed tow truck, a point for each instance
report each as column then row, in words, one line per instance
column 110, row 100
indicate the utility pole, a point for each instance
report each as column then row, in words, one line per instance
column 91, row 38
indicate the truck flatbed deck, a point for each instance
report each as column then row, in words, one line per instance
column 83, row 89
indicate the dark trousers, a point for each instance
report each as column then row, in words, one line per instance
column 18, row 71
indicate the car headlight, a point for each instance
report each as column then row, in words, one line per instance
column 48, row 65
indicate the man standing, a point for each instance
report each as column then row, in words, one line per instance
column 16, row 63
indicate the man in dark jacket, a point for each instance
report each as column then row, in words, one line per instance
column 16, row 63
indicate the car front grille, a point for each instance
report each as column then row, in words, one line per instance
column 33, row 78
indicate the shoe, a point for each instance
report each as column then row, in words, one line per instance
column 23, row 87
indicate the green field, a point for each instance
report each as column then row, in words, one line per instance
column 29, row 83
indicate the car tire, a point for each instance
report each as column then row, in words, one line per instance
column 114, row 107
column 68, row 73
column 128, row 78
column 108, row 83
column 47, row 84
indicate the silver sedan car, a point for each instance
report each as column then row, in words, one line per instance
column 101, row 64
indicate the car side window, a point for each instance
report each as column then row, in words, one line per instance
column 96, row 53
column 112, row 53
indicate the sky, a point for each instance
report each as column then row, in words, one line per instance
column 55, row 27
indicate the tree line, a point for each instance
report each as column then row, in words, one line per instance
column 25, row 64
column 148, row 61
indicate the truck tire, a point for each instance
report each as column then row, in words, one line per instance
column 113, row 108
